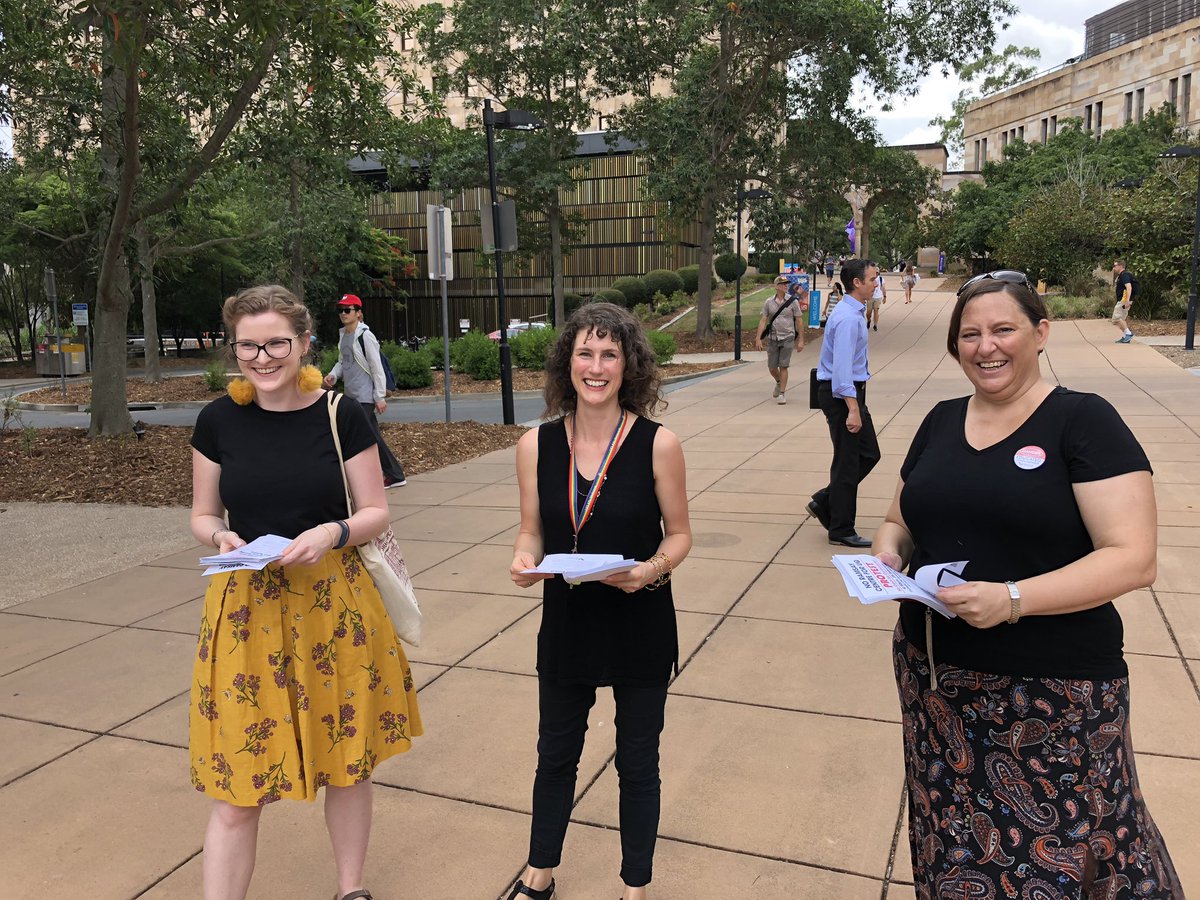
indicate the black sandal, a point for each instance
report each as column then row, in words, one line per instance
column 521, row 889
column 355, row 895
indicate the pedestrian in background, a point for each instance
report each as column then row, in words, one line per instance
column 909, row 281
column 1127, row 288
column 878, row 298
column 601, row 477
column 360, row 367
column 831, row 302
column 781, row 325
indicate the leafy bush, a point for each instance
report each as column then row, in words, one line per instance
column 1081, row 284
column 214, row 376
column 609, row 295
column 572, row 302
column 663, row 345
column 327, row 359
column 662, row 281
column 481, row 359
column 721, row 322
column 690, row 276
column 411, row 369
column 768, row 263
column 432, row 351
column 664, row 305
column 473, row 342
column 1066, row 306
column 529, row 348
column 764, row 278
column 644, row 312
column 729, row 266
column 633, row 289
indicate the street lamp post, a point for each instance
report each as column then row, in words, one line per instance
column 1189, row 341
column 742, row 196
column 522, row 121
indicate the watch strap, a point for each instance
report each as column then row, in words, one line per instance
column 1014, row 597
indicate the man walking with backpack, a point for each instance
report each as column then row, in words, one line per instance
column 781, row 326
column 1127, row 288
column 361, row 367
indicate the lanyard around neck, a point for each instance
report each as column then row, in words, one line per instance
column 580, row 516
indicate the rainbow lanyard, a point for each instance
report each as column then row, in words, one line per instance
column 579, row 517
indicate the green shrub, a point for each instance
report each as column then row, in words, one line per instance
column 462, row 347
column 1081, row 285
column 690, row 276
column 764, row 278
column 633, row 289
column 644, row 312
column 664, row 305
column 768, row 263
column 411, row 369
column 432, row 351
column 662, row 281
column 214, row 375
column 481, row 359
column 609, row 295
column 1065, row 306
column 572, row 302
column 721, row 322
column 663, row 345
column 327, row 358
column 529, row 348
column 729, row 266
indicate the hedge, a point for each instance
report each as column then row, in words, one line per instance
column 634, row 290
column 662, row 281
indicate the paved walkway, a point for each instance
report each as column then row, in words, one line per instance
column 781, row 756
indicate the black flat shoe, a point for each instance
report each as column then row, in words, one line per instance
column 523, row 890
column 856, row 541
column 820, row 514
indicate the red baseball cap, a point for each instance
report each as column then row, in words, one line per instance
column 350, row 300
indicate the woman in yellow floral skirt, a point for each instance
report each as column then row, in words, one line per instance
column 299, row 680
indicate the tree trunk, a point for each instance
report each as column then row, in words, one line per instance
column 556, row 263
column 110, row 412
column 297, row 230
column 708, row 227
column 149, row 309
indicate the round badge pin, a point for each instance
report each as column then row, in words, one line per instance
column 1030, row 457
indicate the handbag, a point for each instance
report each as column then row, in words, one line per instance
column 382, row 559
column 813, row 403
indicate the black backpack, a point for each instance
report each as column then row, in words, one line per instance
column 1137, row 286
column 389, row 380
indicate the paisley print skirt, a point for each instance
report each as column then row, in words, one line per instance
column 1024, row 788
column 298, row 683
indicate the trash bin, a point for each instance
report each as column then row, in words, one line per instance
column 46, row 360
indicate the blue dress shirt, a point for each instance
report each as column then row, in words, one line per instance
column 844, row 350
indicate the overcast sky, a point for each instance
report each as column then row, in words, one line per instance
column 1054, row 28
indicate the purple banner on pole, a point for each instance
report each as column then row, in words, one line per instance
column 850, row 231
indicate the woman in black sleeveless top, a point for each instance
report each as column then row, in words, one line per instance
column 601, row 478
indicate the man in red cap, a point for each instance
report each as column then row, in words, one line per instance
column 361, row 371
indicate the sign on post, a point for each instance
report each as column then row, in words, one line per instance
column 508, row 227
column 441, row 246
column 814, row 309
column 79, row 314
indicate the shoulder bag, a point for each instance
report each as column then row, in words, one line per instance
column 382, row 559
column 771, row 321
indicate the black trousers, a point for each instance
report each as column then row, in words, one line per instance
column 854, row 456
column 387, row 459
column 562, row 724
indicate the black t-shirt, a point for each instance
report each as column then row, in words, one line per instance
column 279, row 470
column 1123, row 279
column 1009, row 510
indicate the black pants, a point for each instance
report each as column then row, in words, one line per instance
column 387, row 459
column 562, row 724
column 854, row 456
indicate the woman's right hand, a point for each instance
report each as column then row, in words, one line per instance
column 890, row 559
column 521, row 578
column 229, row 541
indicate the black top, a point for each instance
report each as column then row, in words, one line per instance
column 1123, row 279
column 1009, row 509
column 279, row 470
column 594, row 633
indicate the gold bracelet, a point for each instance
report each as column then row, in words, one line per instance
column 213, row 539
column 662, row 568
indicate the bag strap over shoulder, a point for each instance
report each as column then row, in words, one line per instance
column 332, row 400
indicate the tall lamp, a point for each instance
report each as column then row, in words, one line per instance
column 516, row 120
column 742, row 196
column 1180, row 152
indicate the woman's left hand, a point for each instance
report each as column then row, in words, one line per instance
column 309, row 546
column 981, row 604
column 634, row 579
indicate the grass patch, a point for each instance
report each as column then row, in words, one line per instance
column 751, row 304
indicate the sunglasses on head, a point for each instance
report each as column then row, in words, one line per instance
column 1010, row 276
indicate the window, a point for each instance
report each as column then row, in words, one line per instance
column 1021, row 133
column 1003, row 139
column 1185, row 108
column 1139, row 104
column 406, row 42
column 604, row 123
column 1128, row 107
column 1053, row 126
column 1087, row 117
column 1099, row 115
column 976, row 166
column 1045, row 130
column 1173, row 94
column 983, row 144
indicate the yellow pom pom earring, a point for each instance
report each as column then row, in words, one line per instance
column 240, row 391
column 309, row 378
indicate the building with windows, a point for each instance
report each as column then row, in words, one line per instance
column 1138, row 56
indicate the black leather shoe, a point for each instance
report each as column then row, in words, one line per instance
column 856, row 541
column 821, row 515
column 523, row 890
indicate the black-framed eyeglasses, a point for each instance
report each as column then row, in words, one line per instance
column 1010, row 276
column 276, row 348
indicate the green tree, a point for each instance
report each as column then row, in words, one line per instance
column 989, row 74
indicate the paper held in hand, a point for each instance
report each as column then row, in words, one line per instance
column 871, row 581
column 577, row 567
column 255, row 555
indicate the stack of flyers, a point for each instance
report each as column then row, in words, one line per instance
column 255, row 555
column 871, row 581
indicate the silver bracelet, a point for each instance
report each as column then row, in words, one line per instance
column 213, row 540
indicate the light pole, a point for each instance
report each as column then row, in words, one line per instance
column 742, row 196
column 1189, row 340
column 519, row 120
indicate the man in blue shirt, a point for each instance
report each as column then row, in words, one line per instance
column 841, row 392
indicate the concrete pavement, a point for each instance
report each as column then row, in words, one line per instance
column 782, row 774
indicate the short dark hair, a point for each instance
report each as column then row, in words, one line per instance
column 641, row 383
column 1029, row 300
column 854, row 269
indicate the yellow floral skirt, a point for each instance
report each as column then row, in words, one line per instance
column 299, row 683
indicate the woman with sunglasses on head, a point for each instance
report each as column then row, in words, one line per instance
column 601, row 477
column 1016, row 716
column 299, row 681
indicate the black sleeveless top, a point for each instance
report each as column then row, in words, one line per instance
column 594, row 633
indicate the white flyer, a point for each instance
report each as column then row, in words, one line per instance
column 868, row 579
column 578, row 567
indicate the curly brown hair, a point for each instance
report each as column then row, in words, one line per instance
column 641, row 383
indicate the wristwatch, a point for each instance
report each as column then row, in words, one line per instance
column 1014, row 597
